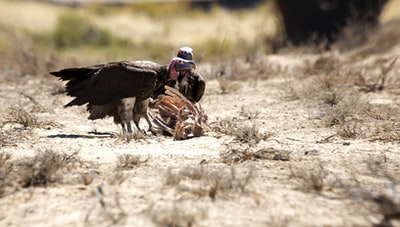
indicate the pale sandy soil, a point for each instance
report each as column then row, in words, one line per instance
column 307, row 175
column 278, row 193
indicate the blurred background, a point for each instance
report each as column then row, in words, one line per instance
column 37, row 36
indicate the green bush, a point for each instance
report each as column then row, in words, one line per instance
column 74, row 30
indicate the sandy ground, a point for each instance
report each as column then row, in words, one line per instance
column 299, row 173
column 172, row 185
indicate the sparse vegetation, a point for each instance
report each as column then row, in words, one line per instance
column 7, row 139
column 235, row 153
column 74, row 31
column 18, row 116
column 208, row 182
column 241, row 132
column 176, row 213
column 128, row 137
column 129, row 161
column 111, row 211
column 6, row 180
column 44, row 169
column 263, row 161
column 314, row 179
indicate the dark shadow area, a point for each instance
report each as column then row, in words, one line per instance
column 317, row 21
column 91, row 135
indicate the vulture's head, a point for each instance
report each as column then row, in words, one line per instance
column 185, row 53
column 178, row 64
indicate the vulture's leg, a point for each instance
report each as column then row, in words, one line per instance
column 128, row 126
column 123, row 127
column 140, row 110
column 125, row 112
column 137, row 126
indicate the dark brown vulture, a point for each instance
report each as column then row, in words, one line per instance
column 119, row 88
column 190, row 82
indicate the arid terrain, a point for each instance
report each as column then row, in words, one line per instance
column 299, row 138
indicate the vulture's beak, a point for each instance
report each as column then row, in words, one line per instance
column 185, row 65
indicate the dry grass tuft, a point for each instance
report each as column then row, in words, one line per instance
column 128, row 137
column 240, row 153
column 354, row 118
column 208, row 182
column 248, row 113
column 176, row 213
column 7, row 139
column 24, row 59
column 110, row 210
column 312, row 180
column 6, row 180
column 129, row 161
column 385, row 65
column 46, row 168
column 19, row 116
column 228, row 86
column 245, row 140
column 241, row 132
column 338, row 87
column 324, row 64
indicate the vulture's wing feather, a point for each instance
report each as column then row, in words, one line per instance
column 101, row 111
column 193, row 86
column 102, row 84
column 198, row 90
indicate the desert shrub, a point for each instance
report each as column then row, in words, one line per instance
column 208, row 182
column 235, row 153
column 317, row 179
column 241, row 132
column 17, row 115
column 129, row 161
column 128, row 137
column 176, row 213
column 45, row 168
column 154, row 10
column 73, row 31
column 110, row 211
column 153, row 50
column 6, row 180
column 228, row 86
column 7, row 139
column 21, row 56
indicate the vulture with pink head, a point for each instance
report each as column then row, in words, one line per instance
column 189, row 83
column 120, row 89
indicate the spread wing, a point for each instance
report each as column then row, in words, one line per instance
column 107, row 83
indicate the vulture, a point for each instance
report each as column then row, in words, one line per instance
column 120, row 89
column 189, row 83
